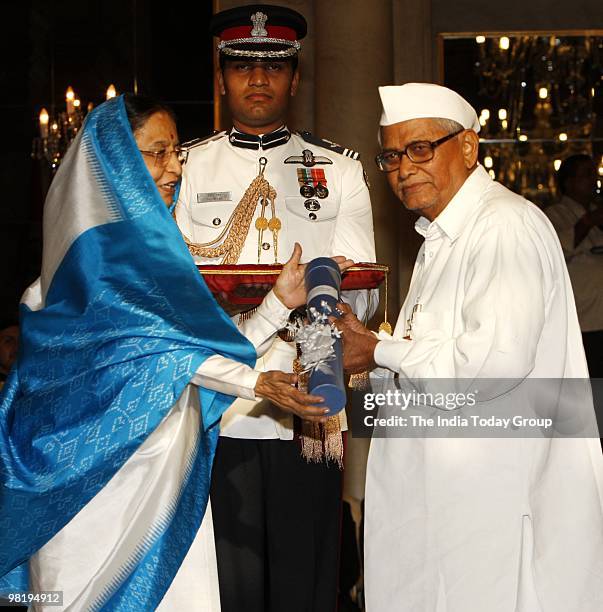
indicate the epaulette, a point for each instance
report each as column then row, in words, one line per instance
column 327, row 144
column 196, row 142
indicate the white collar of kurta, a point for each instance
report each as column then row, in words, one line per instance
column 452, row 219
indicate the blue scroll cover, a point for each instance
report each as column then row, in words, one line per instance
column 323, row 283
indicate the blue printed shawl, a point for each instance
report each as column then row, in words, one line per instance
column 125, row 321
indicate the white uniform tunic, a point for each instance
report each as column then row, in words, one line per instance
column 216, row 176
column 485, row 525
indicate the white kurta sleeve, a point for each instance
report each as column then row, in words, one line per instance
column 502, row 312
column 354, row 237
column 232, row 377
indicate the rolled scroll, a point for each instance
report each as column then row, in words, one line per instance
column 323, row 283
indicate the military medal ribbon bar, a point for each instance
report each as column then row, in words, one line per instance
column 311, row 176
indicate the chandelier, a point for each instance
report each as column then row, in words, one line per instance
column 539, row 96
column 58, row 129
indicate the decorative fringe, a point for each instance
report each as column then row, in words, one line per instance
column 319, row 442
column 245, row 316
column 360, row 381
column 322, row 442
column 286, row 335
column 333, row 441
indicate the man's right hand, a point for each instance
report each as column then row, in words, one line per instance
column 358, row 342
column 278, row 388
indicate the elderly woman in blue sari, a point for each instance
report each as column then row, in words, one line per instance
column 108, row 423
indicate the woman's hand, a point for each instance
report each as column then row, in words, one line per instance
column 278, row 388
column 290, row 286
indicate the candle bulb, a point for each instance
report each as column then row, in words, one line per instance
column 111, row 93
column 70, row 97
column 44, row 118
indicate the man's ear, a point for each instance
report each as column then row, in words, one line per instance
column 470, row 147
column 294, row 82
column 221, row 82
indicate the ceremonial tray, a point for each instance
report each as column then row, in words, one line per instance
column 240, row 287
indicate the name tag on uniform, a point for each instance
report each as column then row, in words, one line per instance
column 214, row 196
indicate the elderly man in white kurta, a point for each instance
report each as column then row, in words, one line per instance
column 475, row 525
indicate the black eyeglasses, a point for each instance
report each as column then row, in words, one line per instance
column 419, row 152
column 162, row 158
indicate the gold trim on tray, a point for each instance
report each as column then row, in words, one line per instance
column 242, row 303
column 242, row 270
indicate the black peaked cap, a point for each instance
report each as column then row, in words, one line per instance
column 277, row 16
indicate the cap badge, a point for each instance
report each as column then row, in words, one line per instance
column 259, row 25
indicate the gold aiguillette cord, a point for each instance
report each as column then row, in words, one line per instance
column 274, row 226
column 236, row 229
column 261, row 223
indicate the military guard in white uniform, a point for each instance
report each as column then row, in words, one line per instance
column 247, row 195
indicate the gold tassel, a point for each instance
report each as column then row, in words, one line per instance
column 333, row 441
column 360, row 381
column 385, row 326
column 322, row 442
column 319, row 442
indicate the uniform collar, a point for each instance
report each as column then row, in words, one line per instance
column 265, row 141
column 453, row 218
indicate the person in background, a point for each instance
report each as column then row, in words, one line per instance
column 578, row 220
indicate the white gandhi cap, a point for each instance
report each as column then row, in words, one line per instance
column 425, row 101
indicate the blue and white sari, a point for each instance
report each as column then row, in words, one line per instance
column 105, row 447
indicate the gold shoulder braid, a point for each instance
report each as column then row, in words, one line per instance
column 231, row 240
